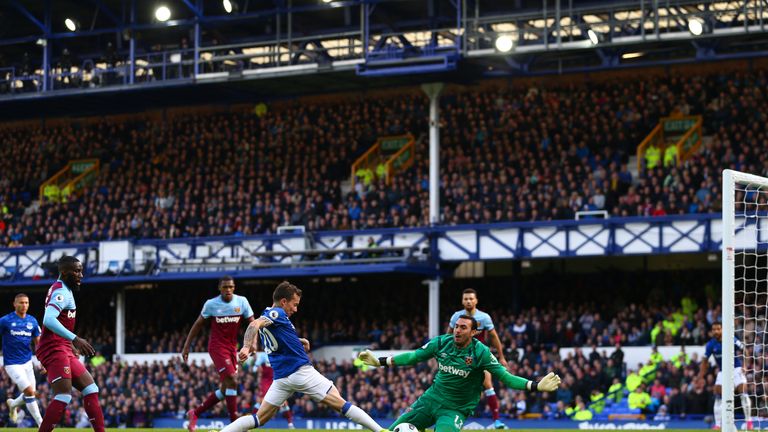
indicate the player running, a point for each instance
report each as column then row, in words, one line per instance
column 56, row 352
column 485, row 329
column 19, row 331
column 462, row 362
column 224, row 312
column 715, row 348
column 293, row 370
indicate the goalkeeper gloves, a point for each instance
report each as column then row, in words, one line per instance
column 547, row 384
column 368, row 358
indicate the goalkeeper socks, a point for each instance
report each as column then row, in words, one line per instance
column 493, row 403
column 93, row 409
column 33, row 409
column 231, row 398
column 243, row 424
column 360, row 417
column 718, row 402
column 54, row 412
column 746, row 406
column 210, row 401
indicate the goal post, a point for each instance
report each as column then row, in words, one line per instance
column 744, row 294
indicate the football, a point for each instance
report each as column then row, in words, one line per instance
column 405, row 427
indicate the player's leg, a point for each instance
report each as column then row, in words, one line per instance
column 449, row 421
column 334, row 400
column 493, row 401
column 740, row 385
column 29, row 394
column 278, row 393
column 285, row 410
column 229, row 385
column 421, row 415
column 20, row 378
column 60, row 379
column 225, row 367
column 83, row 381
column 309, row 381
column 718, row 391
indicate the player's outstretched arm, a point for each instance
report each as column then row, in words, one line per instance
column 549, row 383
column 196, row 327
column 426, row 352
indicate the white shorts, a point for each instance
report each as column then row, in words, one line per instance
column 738, row 377
column 23, row 375
column 306, row 380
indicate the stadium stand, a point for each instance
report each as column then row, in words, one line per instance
column 563, row 149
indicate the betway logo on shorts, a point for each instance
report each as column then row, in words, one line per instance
column 452, row 370
column 21, row 333
column 227, row 320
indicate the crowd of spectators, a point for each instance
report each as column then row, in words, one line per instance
column 135, row 395
column 509, row 153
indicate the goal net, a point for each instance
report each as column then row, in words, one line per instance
column 745, row 301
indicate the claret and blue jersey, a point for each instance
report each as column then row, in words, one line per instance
column 281, row 343
column 225, row 320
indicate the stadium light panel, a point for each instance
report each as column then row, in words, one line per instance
column 631, row 55
column 162, row 13
column 327, row 1
column 593, row 37
column 695, row 27
column 227, row 6
column 504, row 43
column 70, row 24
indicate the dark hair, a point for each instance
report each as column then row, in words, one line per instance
column 717, row 323
column 67, row 262
column 285, row 290
column 469, row 291
column 19, row 295
column 471, row 318
column 226, row 278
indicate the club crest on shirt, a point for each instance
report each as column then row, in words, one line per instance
column 237, row 310
column 66, row 370
column 468, row 360
column 29, row 326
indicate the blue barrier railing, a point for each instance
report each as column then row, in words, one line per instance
column 388, row 249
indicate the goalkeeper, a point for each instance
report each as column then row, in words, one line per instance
column 461, row 360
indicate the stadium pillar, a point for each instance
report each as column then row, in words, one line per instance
column 434, row 307
column 433, row 92
column 120, row 322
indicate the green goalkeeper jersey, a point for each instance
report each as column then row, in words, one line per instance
column 459, row 379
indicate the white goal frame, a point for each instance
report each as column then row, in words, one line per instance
column 730, row 179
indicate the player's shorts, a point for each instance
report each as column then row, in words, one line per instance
column 23, row 375
column 305, row 380
column 738, row 377
column 225, row 362
column 62, row 365
column 426, row 412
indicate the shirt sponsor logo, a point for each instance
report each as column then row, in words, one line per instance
column 71, row 314
column 21, row 333
column 453, row 370
column 227, row 320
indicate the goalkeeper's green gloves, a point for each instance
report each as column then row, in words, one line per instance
column 368, row 358
column 549, row 383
